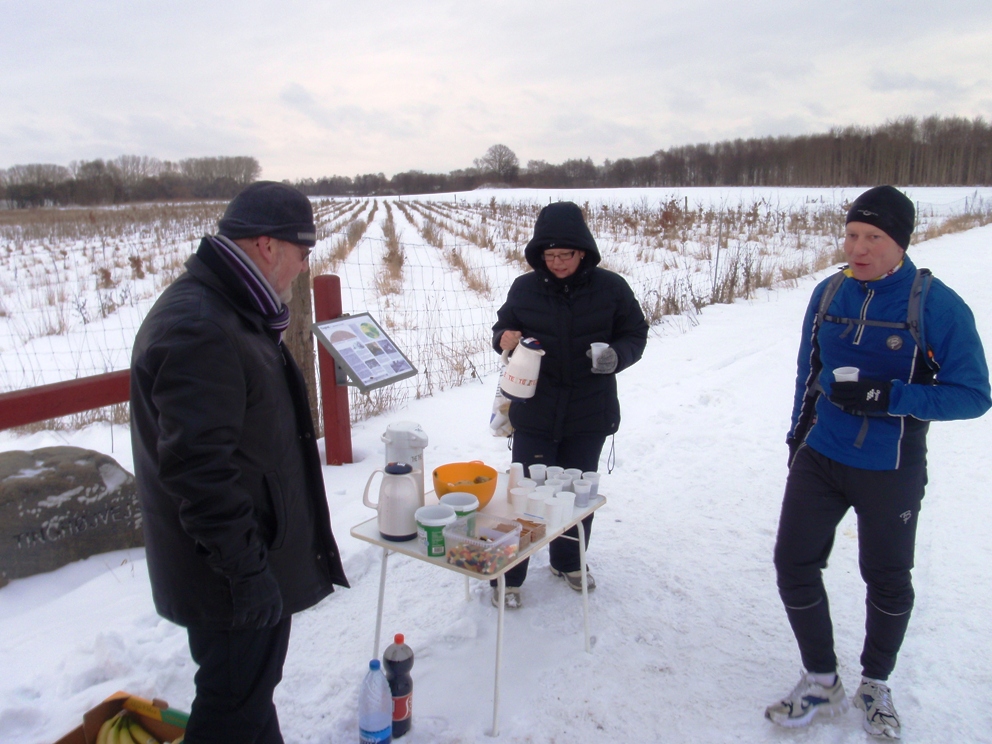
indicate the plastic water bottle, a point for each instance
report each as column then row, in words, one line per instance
column 397, row 661
column 375, row 708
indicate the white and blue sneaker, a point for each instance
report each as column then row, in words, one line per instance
column 807, row 700
column 875, row 699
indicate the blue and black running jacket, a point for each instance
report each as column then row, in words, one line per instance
column 959, row 390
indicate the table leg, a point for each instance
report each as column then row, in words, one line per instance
column 382, row 594
column 585, row 589
column 501, row 584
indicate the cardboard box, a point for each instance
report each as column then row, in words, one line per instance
column 156, row 717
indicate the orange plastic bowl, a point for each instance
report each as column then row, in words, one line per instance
column 461, row 476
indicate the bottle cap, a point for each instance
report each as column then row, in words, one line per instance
column 398, row 638
column 374, row 664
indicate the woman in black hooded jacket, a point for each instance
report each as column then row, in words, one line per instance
column 567, row 303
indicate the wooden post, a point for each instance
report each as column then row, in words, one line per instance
column 337, row 417
column 299, row 340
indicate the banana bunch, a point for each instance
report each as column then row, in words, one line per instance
column 125, row 729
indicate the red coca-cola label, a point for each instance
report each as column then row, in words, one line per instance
column 402, row 707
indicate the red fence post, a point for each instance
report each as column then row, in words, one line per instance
column 22, row 407
column 337, row 416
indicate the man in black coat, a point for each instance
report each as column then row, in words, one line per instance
column 567, row 303
column 237, row 529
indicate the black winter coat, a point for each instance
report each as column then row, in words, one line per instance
column 226, row 462
column 566, row 316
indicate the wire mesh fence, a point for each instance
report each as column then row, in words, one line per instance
column 76, row 283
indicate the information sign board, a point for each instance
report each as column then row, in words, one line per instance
column 362, row 348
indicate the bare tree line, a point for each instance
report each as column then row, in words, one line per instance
column 934, row 151
column 127, row 178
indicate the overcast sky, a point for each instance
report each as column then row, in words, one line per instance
column 321, row 87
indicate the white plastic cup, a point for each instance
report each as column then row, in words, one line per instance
column 573, row 473
column 518, row 499
column 555, row 471
column 528, row 484
column 538, row 472
column 554, row 510
column 846, row 374
column 593, row 477
column 598, row 347
column 583, row 492
column 535, row 503
column 567, row 499
column 557, row 483
column 516, row 474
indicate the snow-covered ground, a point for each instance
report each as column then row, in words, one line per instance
column 690, row 639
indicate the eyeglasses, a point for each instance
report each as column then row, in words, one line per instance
column 563, row 256
column 305, row 251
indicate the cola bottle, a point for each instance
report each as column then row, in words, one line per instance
column 397, row 661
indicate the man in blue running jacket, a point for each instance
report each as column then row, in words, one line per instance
column 862, row 443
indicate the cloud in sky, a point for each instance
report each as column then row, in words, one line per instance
column 321, row 87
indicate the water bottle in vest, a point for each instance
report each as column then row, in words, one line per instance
column 397, row 661
column 375, row 708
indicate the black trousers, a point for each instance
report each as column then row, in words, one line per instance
column 818, row 493
column 572, row 452
column 238, row 672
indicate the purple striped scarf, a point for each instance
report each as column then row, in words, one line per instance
column 275, row 312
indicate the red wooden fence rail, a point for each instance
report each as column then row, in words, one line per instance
column 22, row 407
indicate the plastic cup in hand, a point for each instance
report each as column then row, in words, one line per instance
column 598, row 347
column 583, row 492
column 846, row 374
column 538, row 473
column 593, row 477
column 554, row 471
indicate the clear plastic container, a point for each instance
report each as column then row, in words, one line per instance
column 482, row 543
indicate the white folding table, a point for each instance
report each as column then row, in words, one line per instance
column 368, row 531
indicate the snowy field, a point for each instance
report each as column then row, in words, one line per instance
column 690, row 639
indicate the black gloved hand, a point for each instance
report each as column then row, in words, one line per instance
column 862, row 397
column 257, row 601
column 607, row 362
column 793, row 448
